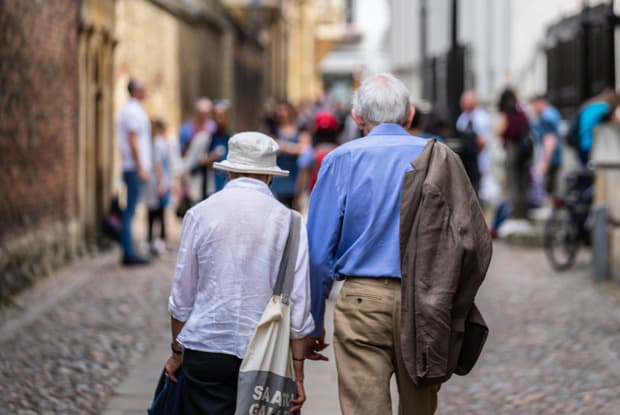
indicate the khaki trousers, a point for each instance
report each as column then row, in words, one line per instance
column 367, row 347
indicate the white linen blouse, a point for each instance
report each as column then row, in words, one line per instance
column 229, row 255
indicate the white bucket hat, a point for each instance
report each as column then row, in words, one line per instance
column 251, row 152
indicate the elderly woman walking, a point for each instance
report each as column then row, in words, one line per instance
column 230, row 253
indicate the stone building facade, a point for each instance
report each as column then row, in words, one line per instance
column 64, row 67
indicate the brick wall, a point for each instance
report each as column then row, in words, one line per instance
column 38, row 110
column 38, row 128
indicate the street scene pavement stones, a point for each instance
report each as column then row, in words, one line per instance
column 98, row 346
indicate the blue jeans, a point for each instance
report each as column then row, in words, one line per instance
column 134, row 187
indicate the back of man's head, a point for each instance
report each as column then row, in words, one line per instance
column 133, row 86
column 382, row 98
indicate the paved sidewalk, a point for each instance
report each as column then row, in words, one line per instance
column 135, row 393
column 93, row 338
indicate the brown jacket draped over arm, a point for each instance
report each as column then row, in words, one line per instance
column 445, row 253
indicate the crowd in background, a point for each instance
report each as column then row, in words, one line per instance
column 533, row 139
column 529, row 132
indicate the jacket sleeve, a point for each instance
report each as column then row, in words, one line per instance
column 437, row 268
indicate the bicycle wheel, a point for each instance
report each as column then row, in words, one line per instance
column 561, row 239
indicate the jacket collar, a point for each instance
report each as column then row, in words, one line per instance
column 420, row 164
column 388, row 129
column 250, row 184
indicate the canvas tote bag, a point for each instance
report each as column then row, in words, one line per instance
column 266, row 382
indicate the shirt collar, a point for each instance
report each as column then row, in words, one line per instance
column 249, row 183
column 388, row 129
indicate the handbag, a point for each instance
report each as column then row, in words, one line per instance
column 185, row 204
column 266, row 383
column 525, row 146
column 167, row 399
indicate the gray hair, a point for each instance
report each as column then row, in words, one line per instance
column 203, row 104
column 382, row 98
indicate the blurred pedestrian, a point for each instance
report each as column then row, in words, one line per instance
column 549, row 144
column 476, row 118
column 325, row 140
column 231, row 249
column 293, row 141
column 595, row 111
column 437, row 125
column 353, row 229
column 269, row 120
column 420, row 121
column 159, row 187
column 512, row 126
column 197, row 178
column 201, row 122
column 134, row 132
column 216, row 179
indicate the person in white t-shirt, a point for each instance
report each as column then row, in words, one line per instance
column 134, row 134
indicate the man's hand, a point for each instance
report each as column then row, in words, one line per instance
column 316, row 345
column 301, row 397
column 144, row 175
column 173, row 364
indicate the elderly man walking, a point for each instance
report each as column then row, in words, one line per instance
column 353, row 229
column 231, row 248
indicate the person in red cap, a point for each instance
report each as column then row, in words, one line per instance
column 325, row 137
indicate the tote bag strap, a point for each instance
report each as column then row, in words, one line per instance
column 284, row 282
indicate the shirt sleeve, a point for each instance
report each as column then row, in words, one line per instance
column 546, row 127
column 324, row 225
column 132, row 120
column 185, row 136
column 483, row 127
column 302, row 323
column 185, row 280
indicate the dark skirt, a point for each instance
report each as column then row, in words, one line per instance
column 210, row 386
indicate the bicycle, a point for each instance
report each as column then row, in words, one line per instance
column 570, row 224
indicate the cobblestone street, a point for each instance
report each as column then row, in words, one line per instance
column 91, row 340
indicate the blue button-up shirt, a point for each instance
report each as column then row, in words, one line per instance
column 354, row 215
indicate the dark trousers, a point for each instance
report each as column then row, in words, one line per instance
column 157, row 215
column 210, row 386
column 584, row 157
column 134, row 187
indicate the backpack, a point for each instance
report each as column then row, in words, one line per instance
column 525, row 146
column 572, row 135
column 467, row 149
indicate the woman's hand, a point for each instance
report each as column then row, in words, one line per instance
column 173, row 364
column 301, row 397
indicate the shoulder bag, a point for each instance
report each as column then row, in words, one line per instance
column 266, row 382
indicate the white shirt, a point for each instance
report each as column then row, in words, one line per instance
column 230, row 252
column 196, row 150
column 481, row 123
column 133, row 118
